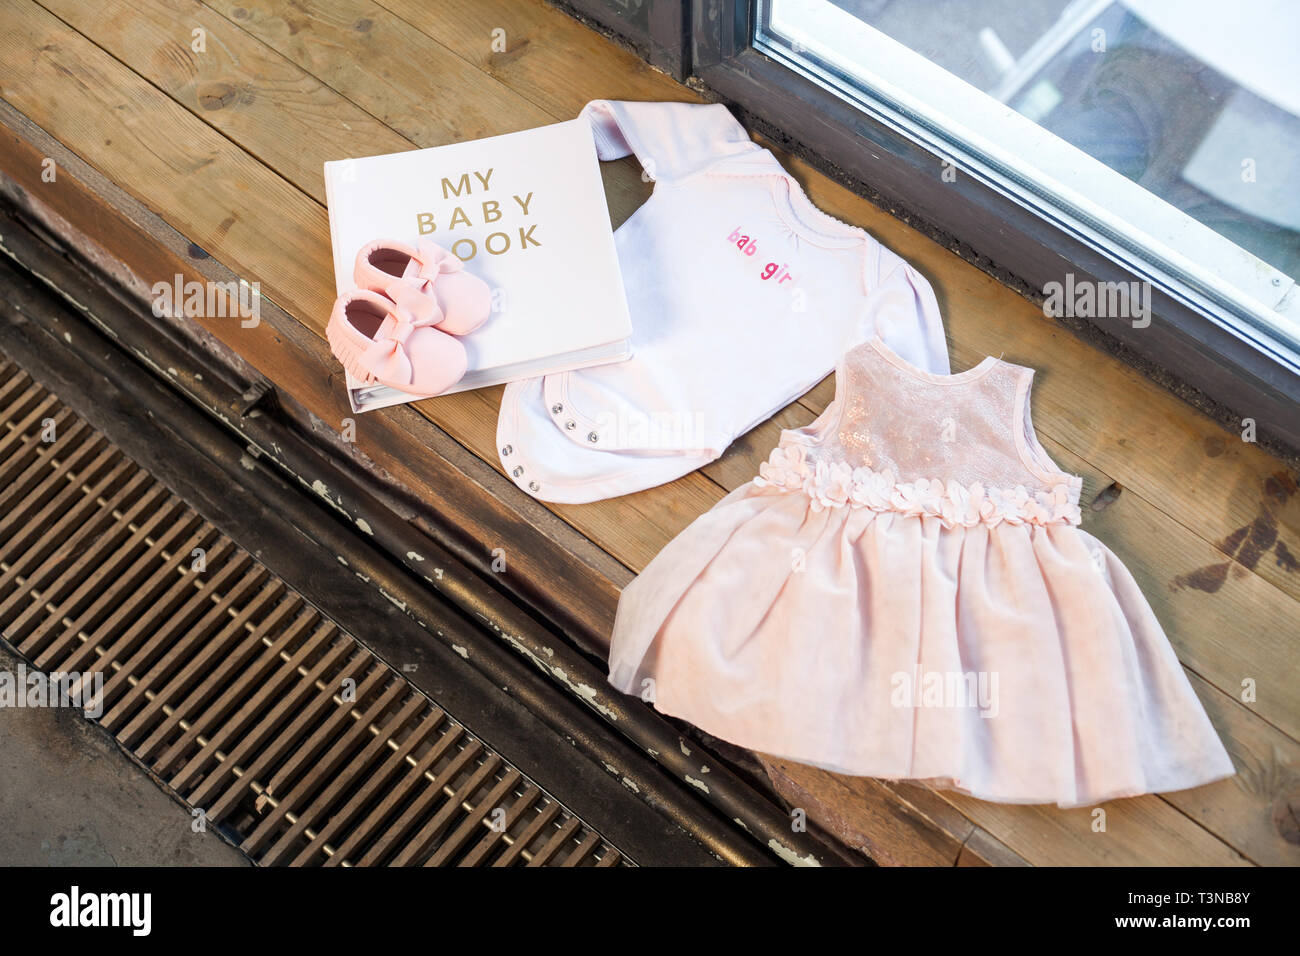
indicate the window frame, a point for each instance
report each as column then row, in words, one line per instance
column 1189, row 336
column 656, row 29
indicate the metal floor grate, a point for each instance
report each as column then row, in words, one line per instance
column 291, row 736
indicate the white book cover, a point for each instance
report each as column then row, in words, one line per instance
column 525, row 212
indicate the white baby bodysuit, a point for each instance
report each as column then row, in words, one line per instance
column 742, row 295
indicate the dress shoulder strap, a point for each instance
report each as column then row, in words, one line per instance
column 1030, row 450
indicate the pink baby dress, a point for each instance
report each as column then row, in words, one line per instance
column 904, row 592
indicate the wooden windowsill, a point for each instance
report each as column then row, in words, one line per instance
column 223, row 149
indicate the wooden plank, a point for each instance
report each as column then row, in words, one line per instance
column 1108, row 414
column 1204, row 632
column 419, row 460
column 253, row 697
column 432, row 795
column 73, row 614
column 310, row 50
column 313, row 35
column 269, row 206
column 516, row 849
column 26, row 460
column 430, row 95
column 195, row 681
column 495, row 837
column 1144, row 831
column 217, row 693
column 1255, row 811
column 552, row 846
column 1138, row 832
column 243, row 89
column 550, row 58
column 1152, row 443
column 1204, row 629
column 970, row 326
column 866, row 815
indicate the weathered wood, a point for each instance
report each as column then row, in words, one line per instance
column 229, row 199
column 864, row 814
column 1122, row 424
column 434, row 474
column 550, row 58
column 228, row 154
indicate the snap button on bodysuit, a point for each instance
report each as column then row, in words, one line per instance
column 507, row 450
column 519, row 470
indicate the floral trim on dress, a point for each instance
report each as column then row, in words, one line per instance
column 838, row 485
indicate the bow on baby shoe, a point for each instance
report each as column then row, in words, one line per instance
column 435, row 260
column 379, row 340
column 386, row 358
column 429, row 281
column 414, row 288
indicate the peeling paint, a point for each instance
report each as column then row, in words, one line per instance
column 790, row 856
column 363, row 577
column 681, row 742
column 67, row 336
column 462, row 651
column 412, row 556
column 361, row 523
column 742, row 824
column 611, row 768
column 585, row 691
column 322, row 491
column 172, row 372
column 400, row 605
column 631, row 785
column 704, row 769
column 699, row 784
column 342, row 560
column 247, row 462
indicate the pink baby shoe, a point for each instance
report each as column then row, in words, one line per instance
column 378, row 340
column 427, row 280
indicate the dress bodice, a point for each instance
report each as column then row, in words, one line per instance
column 897, row 438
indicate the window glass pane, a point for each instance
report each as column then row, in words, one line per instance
column 1193, row 102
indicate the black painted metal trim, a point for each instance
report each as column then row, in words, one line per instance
column 656, row 29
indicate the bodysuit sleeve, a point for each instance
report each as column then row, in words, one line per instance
column 670, row 140
column 901, row 307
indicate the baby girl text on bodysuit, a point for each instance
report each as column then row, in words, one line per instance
column 750, row 248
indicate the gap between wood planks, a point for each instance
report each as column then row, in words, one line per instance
column 808, row 402
column 719, row 483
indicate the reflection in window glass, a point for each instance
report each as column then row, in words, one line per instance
column 1195, row 101
column 1188, row 126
